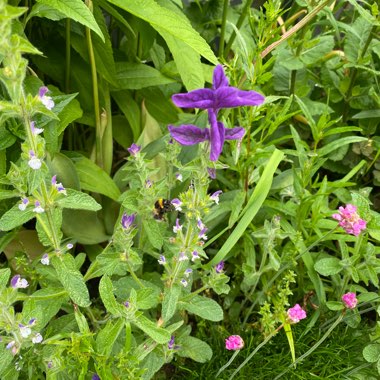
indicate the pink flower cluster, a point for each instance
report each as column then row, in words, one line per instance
column 350, row 300
column 296, row 313
column 350, row 220
column 234, row 342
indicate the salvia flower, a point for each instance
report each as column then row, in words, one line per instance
column 10, row 344
column 25, row 331
column 162, row 260
column 177, row 226
column 127, row 220
column 126, row 304
column 47, row 101
column 171, row 343
column 350, row 300
column 200, row 224
column 45, row 259
column 37, row 338
column 134, row 149
column 38, row 208
column 350, row 220
column 35, row 131
column 183, row 256
column 177, row 204
column 95, row 376
column 32, row 322
column 34, row 162
column 24, row 203
column 215, row 196
column 221, row 95
column 296, row 313
column 184, row 283
column 148, row 183
column 211, row 173
column 194, row 256
column 19, row 283
column 58, row 185
column 234, row 343
column 179, row 177
column 69, row 245
column 219, row 267
column 202, row 234
column 188, row 272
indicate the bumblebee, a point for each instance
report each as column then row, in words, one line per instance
column 161, row 207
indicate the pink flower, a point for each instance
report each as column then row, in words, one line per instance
column 234, row 342
column 350, row 300
column 296, row 313
column 350, row 220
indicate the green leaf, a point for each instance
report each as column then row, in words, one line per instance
column 15, row 217
column 163, row 19
column 367, row 114
column 45, row 11
column 328, row 266
column 93, row 178
column 336, row 144
column 204, row 307
column 71, row 279
column 6, row 359
column 153, row 233
column 334, row 305
column 4, row 277
column 169, row 303
column 106, row 294
column 78, row 201
column 134, row 76
column 55, row 221
column 7, row 194
column 147, row 298
column 158, row 334
column 371, row 353
column 107, row 337
column 254, row 204
column 195, row 349
column 77, row 11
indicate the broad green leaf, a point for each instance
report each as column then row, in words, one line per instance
column 71, row 279
column 195, row 349
column 204, row 307
column 151, row 364
column 93, row 178
column 5, row 274
column 107, row 337
column 334, row 305
column 147, row 298
column 163, row 19
column 7, row 194
column 106, row 294
column 64, row 169
column 153, row 233
column 7, row 139
column 367, row 114
column 79, row 201
column 134, row 76
column 55, row 222
column 15, row 217
column 328, row 266
column 6, row 359
column 254, row 204
column 371, row 353
column 45, row 11
column 158, row 334
column 169, row 303
column 77, row 11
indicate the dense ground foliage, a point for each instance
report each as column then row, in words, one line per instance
column 189, row 189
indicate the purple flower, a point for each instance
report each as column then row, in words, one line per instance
column 350, row 220
column 34, row 162
column 220, row 96
column 184, row 283
column 211, row 173
column 23, row 204
column 37, row 338
column 215, row 196
column 350, row 300
column 95, row 376
column 162, row 260
column 47, row 101
column 17, row 282
column 126, row 304
column 188, row 272
column 134, row 149
column 194, row 256
column 25, row 331
column 179, row 177
column 148, row 183
column 296, row 313
column 219, row 267
column 58, row 186
column 202, row 234
column 45, row 259
column 183, row 256
column 69, row 245
column 177, row 226
column 38, row 208
column 127, row 220
column 234, row 343
column 200, row 224
column 177, row 204
column 171, row 343
column 35, row 131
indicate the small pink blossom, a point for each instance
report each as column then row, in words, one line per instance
column 350, row 300
column 234, row 342
column 350, row 220
column 296, row 313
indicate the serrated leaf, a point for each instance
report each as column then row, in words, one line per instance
column 78, row 201
column 195, row 349
column 108, row 336
column 6, row 359
column 164, row 19
column 169, row 303
column 77, row 11
column 71, row 279
column 15, row 217
column 204, row 307
column 328, row 266
column 147, row 298
column 158, row 334
column 5, row 274
column 106, row 294
column 153, row 233
column 371, row 353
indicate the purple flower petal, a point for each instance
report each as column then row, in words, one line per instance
column 229, row 97
column 42, row 91
column 219, row 79
column 216, row 137
column 202, row 98
column 188, row 134
column 234, row 133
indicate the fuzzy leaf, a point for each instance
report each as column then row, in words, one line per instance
column 328, row 266
column 204, row 307
column 14, row 218
column 158, row 334
column 78, row 201
column 169, row 304
column 195, row 349
column 371, row 353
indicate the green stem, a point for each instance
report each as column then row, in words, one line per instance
column 263, row 343
column 227, row 364
column 223, row 28
column 95, row 95
column 68, row 55
column 190, row 296
column 56, row 242
column 107, row 144
column 133, row 274
column 238, row 25
column 316, row 345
